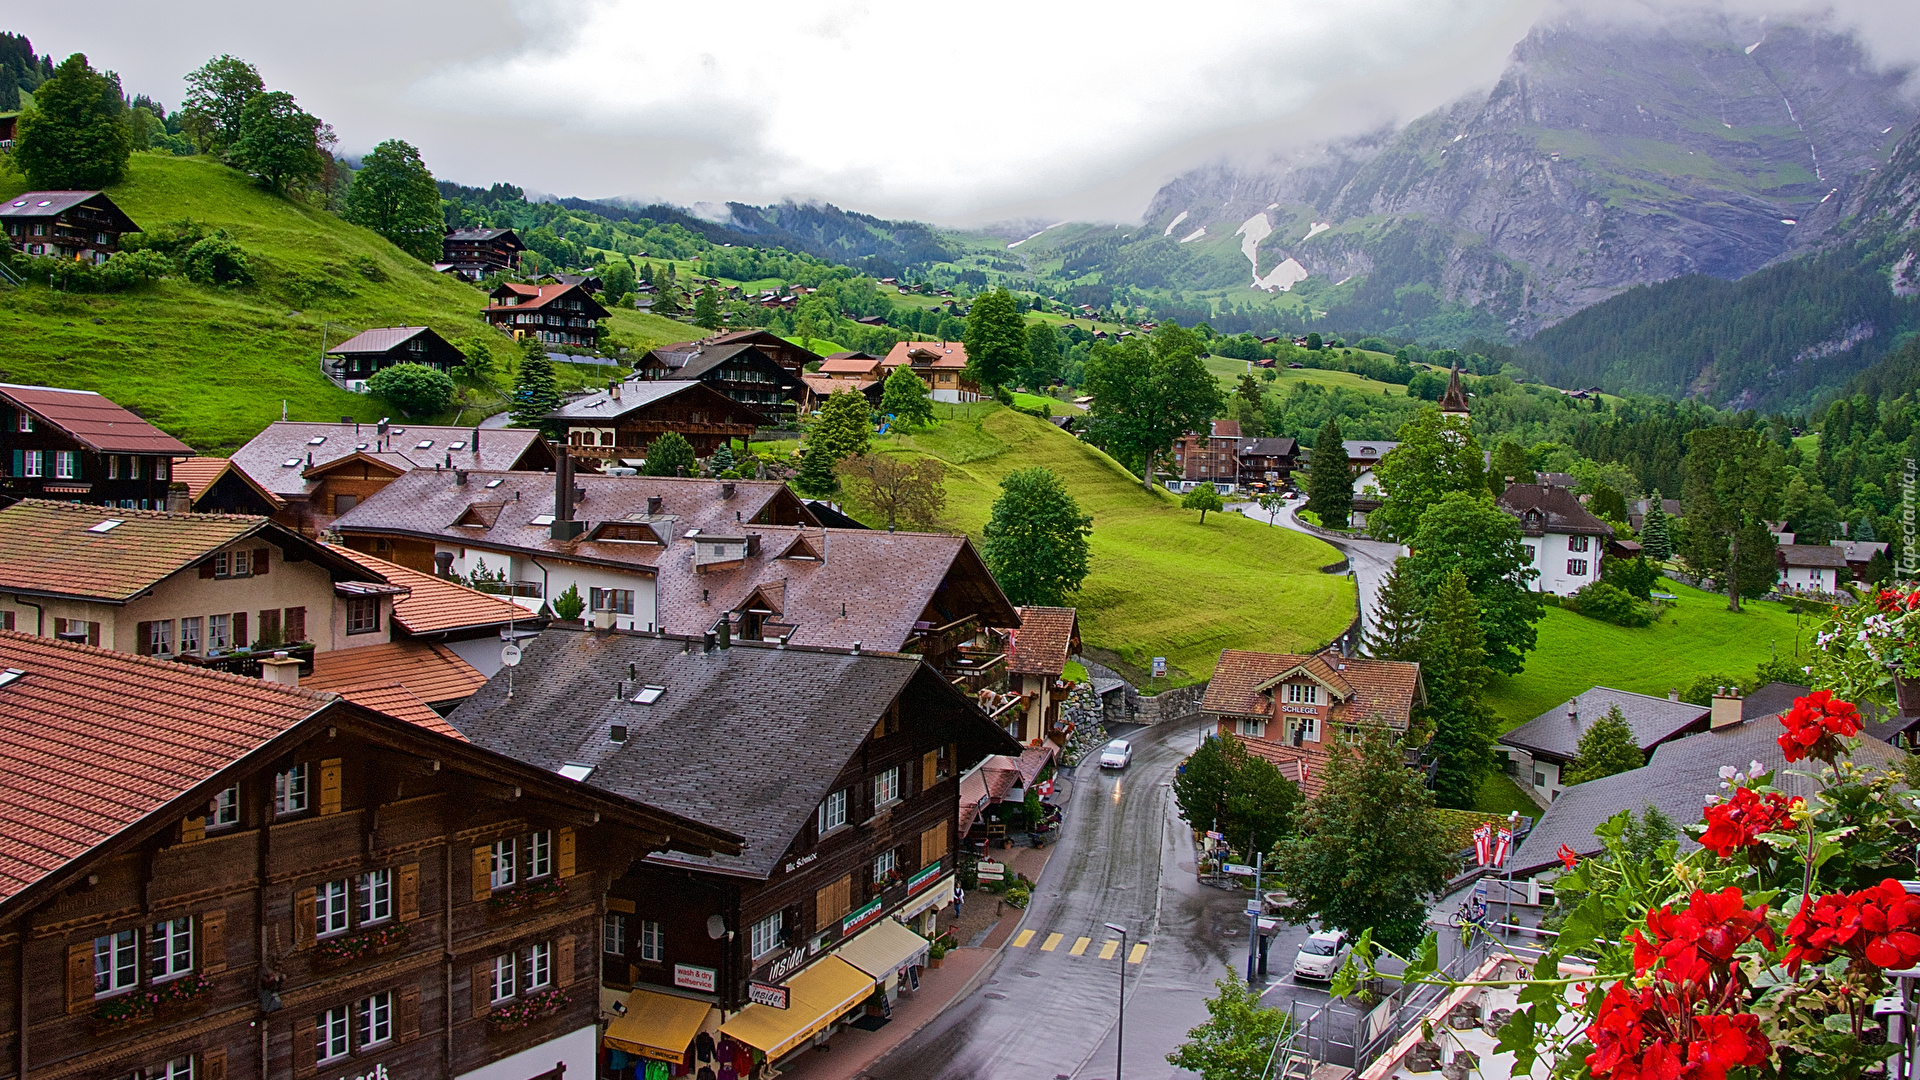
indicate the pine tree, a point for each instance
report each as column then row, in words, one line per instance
column 1454, row 668
column 1606, row 747
column 1329, row 484
column 816, row 479
column 670, row 455
column 536, row 392
column 722, row 460
column 1656, row 535
column 706, row 310
column 1396, row 618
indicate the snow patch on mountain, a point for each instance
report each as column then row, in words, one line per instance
column 1182, row 216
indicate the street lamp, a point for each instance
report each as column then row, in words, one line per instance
column 1120, row 1032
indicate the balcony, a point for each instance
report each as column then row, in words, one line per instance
column 246, row 662
column 973, row 671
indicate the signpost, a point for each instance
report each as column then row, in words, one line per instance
column 991, row 871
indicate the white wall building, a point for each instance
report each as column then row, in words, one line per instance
column 1812, row 568
column 1565, row 541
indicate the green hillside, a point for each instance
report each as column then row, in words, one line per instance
column 1161, row 584
column 212, row 365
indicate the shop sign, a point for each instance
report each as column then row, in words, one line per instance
column 861, row 917
column 802, row 861
column 1301, row 710
column 773, row 997
column 704, row 979
column 787, row 965
column 378, row 1072
column 922, row 879
column 991, row 871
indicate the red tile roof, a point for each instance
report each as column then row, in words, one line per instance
column 430, row 671
column 1046, row 639
column 533, row 296
column 50, row 547
column 945, row 355
column 93, row 741
column 201, row 473
column 1369, row 688
column 93, row 420
column 402, row 704
column 436, row 605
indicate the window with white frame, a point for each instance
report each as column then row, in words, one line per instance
column 1577, row 567
column 160, row 637
column 116, row 962
column 224, row 811
column 113, row 466
column 330, row 908
column 180, row 1068
column 219, row 632
column 884, row 864
column 290, row 794
column 613, row 934
column 1577, row 543
column 190, row 635
column 1252, row 729
column 653, row 943
column 33, row 463
column 331, row 1033
column 1303, row 693
column 170, row 949
column 539, row 966
column 886, row 787
column 501, row 872
column 26, row 421
column 376, row 1019
column 618, row 601
column 133, row 468
column 66, row 464
column 767, row 934
column 376, row 896
column 506, row 971
column 833, row 812
column 539, row 854
column 363, row 614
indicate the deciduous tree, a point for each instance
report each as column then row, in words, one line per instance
column 1509, row 465
column 996, row 339
column 278, row 144
column 1329, row 481
column 217, row 96
column 706, row 310
column 414, row 389
column 1224, row 787
column 1043, row 358
column 1466, row 532
column 900, row 489
column 1202, row 498
column 671, row 454
column 843, row 428
column 75, row 134
column 1437, row 454
column 394, row 195
column 1732, row 488
column 1146, row 393
column 1036, row 540
column 1238, row 1038
column 1453, row 656
column 906, row 398
column 1606, row 747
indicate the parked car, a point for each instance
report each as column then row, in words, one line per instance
column 1321, row 956
column 1117, row 755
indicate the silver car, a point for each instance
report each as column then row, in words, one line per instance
column 1117, row 755
column 1321, row 956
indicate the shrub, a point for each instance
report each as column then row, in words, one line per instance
column 568, row 605
column 1634, row 576
column 169, row 238
column 1610, row 604
column 414, row 389
column 129, row 268
column 217, row 260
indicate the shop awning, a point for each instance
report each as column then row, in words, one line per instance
column 880, row 950
column 657, row 1026
column 939, row 894
column 821, row 994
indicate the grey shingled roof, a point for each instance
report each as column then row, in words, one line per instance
column 1680, row 778
column 637, row 394
column 265, row 457
column 1366, row 450
column 1653, row 719
column 749, row 739
column 1821, row 555
column 380, row 340
column 1547, row 508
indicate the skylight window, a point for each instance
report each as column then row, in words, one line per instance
column 290, row 463
column 423, row 444
column 541, row 519
column 10, row 675
column 648, row 695
column 569, row 770
column 359, row 446
column 460, row 445
column 316, row 440
column 106, row 526
column 493, row 483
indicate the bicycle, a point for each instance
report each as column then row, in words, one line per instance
column 1471, row 912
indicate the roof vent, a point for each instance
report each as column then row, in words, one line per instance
column 106, row 526
column 1573, row 709
column 856, row 648
column 726, row 492
column 617, row 733
column 653, row 504
column 648, row 694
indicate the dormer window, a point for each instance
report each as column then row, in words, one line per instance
column 1303, row 693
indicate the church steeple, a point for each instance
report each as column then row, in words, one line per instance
column 1454, row 401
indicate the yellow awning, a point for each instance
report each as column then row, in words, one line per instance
column 882, row 948
column 820, row 995
column 657, row 1026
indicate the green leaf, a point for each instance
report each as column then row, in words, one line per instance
column 1587, row 922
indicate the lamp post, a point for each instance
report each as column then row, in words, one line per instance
column 1120, row 1031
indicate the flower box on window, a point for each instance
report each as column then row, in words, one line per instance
column 377, row 941
column 537, row 893
column 527, row 1009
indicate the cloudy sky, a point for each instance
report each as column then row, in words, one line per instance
column 990, row 111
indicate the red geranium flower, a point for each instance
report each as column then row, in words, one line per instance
column 1877, row 927
column 1654, row 1034
column 1893, row 601
column 1568, row 856
column 1816, row 724
column 1736, row 824
column 1696, row 945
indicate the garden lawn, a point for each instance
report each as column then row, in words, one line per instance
column 1697, row 636
column 1161, row 583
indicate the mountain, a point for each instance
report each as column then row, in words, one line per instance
column 874, row 245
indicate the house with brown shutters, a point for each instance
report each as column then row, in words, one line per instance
column 357, row 359
column 213, row 876
column 558, row 315
column 942, row 365
column 791, row 357
column 743, row 371
column 475, row 253
column 78, row 446
column 1293, row 708
column 841, row 769
column 1037, row 656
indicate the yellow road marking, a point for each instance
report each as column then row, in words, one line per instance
column 1138, row 954
column 1080, row 946
column 1053, row 942
column 1107, row 950
column 1021, row 941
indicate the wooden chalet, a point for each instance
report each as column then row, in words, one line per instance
column 9, row 123
column 789, row 356
column 84, row 226
column 1268, row 461
column 213, row 485
column 940, row 364
column 743, row 371
column 77, row 446
column 355, row 360
column 554, row 314
column 1293, row 709
column 842, row 772
column 621, row 421
column 267, row 881
column 475, row 253
column 1037, row 655
column 319, row 471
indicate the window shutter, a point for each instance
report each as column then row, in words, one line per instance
column 482, row 873
column 93, row 633
column 564, row 863
column 59, row 627
column 240, row 638
column 330, row 786
column 408, row 904
column 260, row 561
column 80, row 977
column 19, row 463
column 143, row 639
column 193, row 828
column 409, row 1025
column 303, row 919
column 482, row 989
column 563, row 961
column 213, row 942
column 294, row 625
column 306, row 1045
column 76, row 457
column 206, row 569
column 270, row 624
column 213, row 1064
column 929, row 769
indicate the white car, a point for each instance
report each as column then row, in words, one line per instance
column 1117, row 755
column 1321, row 956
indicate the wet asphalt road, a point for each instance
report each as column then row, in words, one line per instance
column 1370, row 560
column 1123, row 858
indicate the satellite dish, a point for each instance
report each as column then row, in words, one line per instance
column 510, row 655
column 716, row 927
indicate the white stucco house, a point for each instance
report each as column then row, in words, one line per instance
column 1811, row 568
column 1565, row 541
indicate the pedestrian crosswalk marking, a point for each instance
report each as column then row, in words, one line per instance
column 1080, row 946
column 1021, row 941
column 1053, row 942
column 1138, row 954
column 1107, row 950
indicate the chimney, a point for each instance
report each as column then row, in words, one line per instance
column 281, row 668
column 1673, row 693
column 476, row 440
column 603, row 620
column 613, row 389
column 460, row 478
column 726, row 490
column 709, row 641
column 653, row 504
column 726, row 630
column 1726, row 708
column 443, row 564
column 177, row 500
column 564, row 527
column 1573, row 710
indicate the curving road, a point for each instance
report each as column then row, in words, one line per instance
column 1370, row 560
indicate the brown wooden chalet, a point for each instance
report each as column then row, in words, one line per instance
column 319, row 471
column 621, row 421
column 554, row 314
column 212, row 485
column 80, row 225
column 77, row 446
column 789, row 356
column 355, row 360
column 475, row 253
column 842, row 772
column 742, row 371
column 1292, row 709
column 1269, row 461
column 9, row 123
column 267, row 881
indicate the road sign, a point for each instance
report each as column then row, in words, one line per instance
column 1253, row 907
column 1239, row 869
column 1159, row 667
column 1211, row 835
